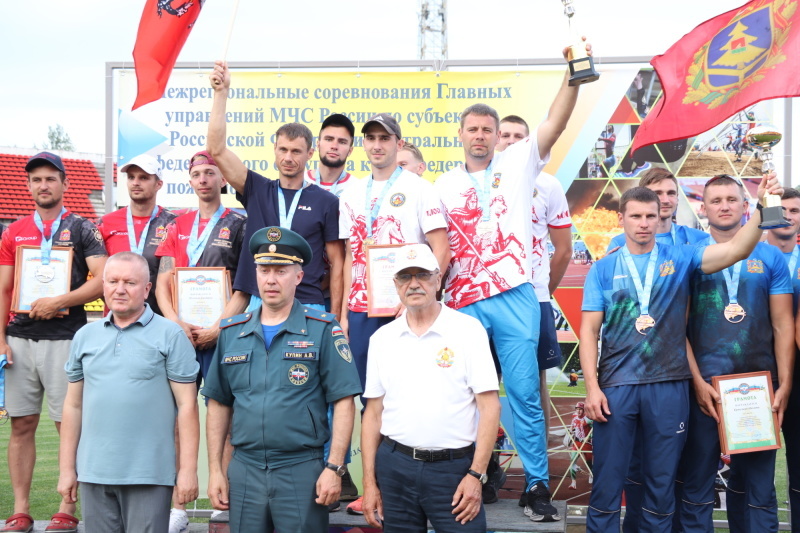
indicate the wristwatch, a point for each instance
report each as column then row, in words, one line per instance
column 340, row 470
column 483, row 478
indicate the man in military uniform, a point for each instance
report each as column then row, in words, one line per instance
column 274, row 372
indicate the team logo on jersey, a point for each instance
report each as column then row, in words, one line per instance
column 273, row 234
column 225, row 233
column 667, row 268
column 496, row 181
column 65, row 235
column 445, row 358
column 161, row 233
column 755, row 266
column 344, row 350
column 397, row 199
column 337, row 331
column 298, row 374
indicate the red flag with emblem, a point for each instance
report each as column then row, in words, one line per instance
column 724, row 65
column 163, row 30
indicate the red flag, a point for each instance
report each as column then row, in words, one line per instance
column 163, row 30
column 724, row 65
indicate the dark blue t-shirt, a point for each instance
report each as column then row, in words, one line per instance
column 721, row 347
column 627, row 357
column 316, row 220
column 683, row 235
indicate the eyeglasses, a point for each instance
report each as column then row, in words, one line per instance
column 421, row 276
column 728, row 176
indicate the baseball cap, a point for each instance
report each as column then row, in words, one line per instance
column 386, row 121
column 415, row 255
column 146, row 162
column 44, row 158
column 338, row 119
column 201, row 158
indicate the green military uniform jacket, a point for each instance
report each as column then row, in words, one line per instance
column 280, row 396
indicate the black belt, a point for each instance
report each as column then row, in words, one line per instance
column 430, row 456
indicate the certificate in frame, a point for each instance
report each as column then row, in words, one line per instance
column 382, row 297
column 33, row 280
column 747, row 423
column 199, row 294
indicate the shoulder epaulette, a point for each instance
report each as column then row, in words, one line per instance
column 234, row 320
column 322, row 316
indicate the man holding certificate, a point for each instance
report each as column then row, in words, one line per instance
column 639, row 297
column 44, row 261
column 740, row 320
column 142, row 225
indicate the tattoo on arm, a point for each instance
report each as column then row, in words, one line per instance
column 167, row 264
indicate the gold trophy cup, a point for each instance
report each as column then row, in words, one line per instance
column 581, row 65
column 764, row 138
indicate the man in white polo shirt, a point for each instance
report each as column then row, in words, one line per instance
column 425, row 455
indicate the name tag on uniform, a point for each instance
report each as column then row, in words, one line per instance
column 300, row 355
column 235, row 359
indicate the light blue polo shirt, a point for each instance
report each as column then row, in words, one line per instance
column 128, row 420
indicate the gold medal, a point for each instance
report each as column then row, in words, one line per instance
column 44, row 273
column 643, row 323
column 734, row 313
column 369, row 241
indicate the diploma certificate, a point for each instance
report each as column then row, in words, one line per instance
column 33, row 279
column 747, row 423
column 199, row 294
column 382, row 297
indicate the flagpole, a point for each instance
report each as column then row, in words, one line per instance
column 230, row 31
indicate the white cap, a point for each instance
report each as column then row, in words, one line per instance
column 146, row 162
column 415, row 255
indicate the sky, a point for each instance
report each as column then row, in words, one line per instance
column 54, row 52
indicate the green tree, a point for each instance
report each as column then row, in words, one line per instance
column 58, row 139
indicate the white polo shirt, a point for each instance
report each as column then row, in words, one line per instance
column 410, row 209
column 429, row 382
column 550, row 210
column 336, row 188
column 491, row 244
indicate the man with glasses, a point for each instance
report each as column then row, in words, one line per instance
column 425, row 455
column 740, row 320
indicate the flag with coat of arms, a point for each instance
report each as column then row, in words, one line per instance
column 723, row 66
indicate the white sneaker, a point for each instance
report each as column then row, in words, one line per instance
column 178, row 521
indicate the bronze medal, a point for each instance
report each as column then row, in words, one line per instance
column 734, row 313
column 643, row 323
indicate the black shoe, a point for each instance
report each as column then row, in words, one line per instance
column 349, row 489
column 539, row 508
column 492, row 487
column 335, row 506
column 523, row 499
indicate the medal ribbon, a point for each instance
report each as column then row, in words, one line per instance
column 731, row 281
column 484, row 193
column 642, row 291
column 47, row 244
column 196, row 245
column 674, row 234
column 286, row 218
column 138, row 247
column 335, row 187
column 376, row 207
column 793, row 261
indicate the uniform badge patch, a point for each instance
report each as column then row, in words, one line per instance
column 225, row 233
column 445, row 358
column 496, row 180
column 298, row 374
column 397, row 199
column 234, row 359
column 344, row 350
column 337, row 331
column 273, row 234
column 755, row 266
column 161, row 232
column 65, row 235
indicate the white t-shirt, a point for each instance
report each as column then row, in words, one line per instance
column 429, row 383
column 336, row 188
column 550, row 210
column 490, row 256
column 410, row 209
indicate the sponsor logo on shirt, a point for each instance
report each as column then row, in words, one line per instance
column 20, row 238
column 620, row 276
column 117, row 232
column 304, row 207
column 182, row 237
column 666, row 268
column 434, row 211
column 755, row 266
